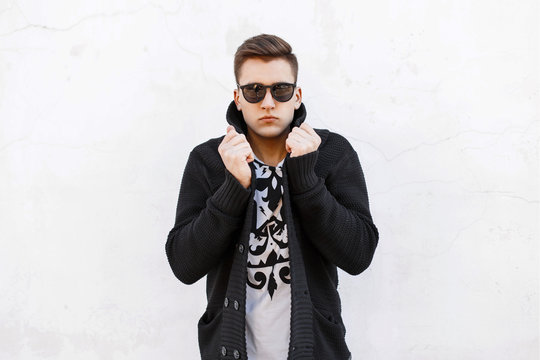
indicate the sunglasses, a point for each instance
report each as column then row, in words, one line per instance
column 253, row 93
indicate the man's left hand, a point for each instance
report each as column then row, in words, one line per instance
column 302, row 140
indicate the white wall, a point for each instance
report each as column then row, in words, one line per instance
column 101, row 102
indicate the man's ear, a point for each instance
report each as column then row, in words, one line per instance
column 236, row 96
column 298, row 98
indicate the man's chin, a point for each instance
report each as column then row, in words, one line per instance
column 271, row 132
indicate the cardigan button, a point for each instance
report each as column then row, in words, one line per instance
column 223, row 351
column 241, row 248
column 236, row 305
column 226, row 302
column 236, row 354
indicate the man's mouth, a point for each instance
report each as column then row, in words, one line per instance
column 268, row 118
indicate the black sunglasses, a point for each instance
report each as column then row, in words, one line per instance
column 282, row 91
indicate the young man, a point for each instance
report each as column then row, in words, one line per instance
column 268, row 212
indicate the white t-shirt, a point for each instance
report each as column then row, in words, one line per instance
column 268, row 289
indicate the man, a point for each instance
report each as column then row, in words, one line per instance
column 268, row 212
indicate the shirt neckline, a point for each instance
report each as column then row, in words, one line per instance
column 270, row 166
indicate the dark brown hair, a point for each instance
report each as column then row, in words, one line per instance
column 266, row 47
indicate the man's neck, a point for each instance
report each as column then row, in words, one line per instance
column 269, row 150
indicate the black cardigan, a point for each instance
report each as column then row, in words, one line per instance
column 326, row 208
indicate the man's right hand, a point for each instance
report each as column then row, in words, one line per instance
column 236, row 153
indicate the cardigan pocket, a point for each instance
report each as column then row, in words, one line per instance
column 209, row 333
column 329, row 333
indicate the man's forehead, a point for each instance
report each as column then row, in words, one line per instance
column 271, row 71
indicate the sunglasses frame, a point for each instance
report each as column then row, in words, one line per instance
column 272, row 89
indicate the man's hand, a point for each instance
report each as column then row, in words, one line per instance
column 236, row 153
column 302, row 140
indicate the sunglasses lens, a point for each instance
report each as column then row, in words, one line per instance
column 254, row 93
column 282, row 92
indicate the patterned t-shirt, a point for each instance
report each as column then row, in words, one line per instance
column 268, row 290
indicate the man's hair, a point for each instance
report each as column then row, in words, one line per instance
column 266, row 47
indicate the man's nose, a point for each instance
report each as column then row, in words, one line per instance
column 268, row 101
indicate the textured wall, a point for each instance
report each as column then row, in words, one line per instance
column 101, row 102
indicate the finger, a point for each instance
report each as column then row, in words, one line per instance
column 309, row 129
column 243, row 146
column 295, row 141
column 288, row 145
column 244, row 152
column 301, row 136
column 231, row 132
column 300, row 146
column 238, row 139
column 302, row 133
column 241, row 150
column 311, row 138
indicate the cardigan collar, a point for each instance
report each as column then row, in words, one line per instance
column 236, row 119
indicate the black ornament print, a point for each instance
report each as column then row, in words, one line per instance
column 268, row 258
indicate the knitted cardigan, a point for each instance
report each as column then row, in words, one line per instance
column 326, row 208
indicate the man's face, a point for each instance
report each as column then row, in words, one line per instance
column 255, row 70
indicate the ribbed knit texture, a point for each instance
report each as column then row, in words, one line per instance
column 326, row 207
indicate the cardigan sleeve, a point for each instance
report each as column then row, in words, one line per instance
column 206, row 224
column 334, row 212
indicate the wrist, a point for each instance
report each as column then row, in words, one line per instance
column 301, row 172
column 231, row 197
